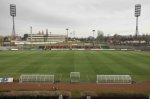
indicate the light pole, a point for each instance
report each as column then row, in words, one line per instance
column 67, row 33
column 93, row 33
column 137, row 14
column 13, row 14
column 50, row 33
column 31, row 33
column 31, row 37
column 93, row 37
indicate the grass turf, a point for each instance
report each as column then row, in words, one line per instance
column 88, row 63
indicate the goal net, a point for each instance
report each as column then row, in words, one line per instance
column 74, row 77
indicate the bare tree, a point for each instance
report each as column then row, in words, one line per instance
column 100, row 36
column 1, row 40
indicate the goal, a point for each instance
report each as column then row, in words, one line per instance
column 74, row 77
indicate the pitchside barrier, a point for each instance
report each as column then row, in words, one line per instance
column 5, row 80
column 114, row 79
column 37, row 78
column 74, row 77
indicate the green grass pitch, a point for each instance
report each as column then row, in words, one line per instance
column 88, row 63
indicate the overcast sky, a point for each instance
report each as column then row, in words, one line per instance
column 80, row 16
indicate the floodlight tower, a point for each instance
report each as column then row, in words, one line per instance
column 13, row 14
column 137, row 14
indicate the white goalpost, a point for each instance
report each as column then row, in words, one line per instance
column 74, row 77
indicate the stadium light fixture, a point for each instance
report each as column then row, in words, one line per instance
column 13, row 14
column 137, row 14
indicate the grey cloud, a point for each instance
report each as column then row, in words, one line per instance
column 107, row 15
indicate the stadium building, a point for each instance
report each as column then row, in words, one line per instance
column 47, row 38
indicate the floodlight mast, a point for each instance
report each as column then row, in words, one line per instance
column 13, row 14
column 137, row 14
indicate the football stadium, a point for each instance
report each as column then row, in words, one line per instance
column 74, row 58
